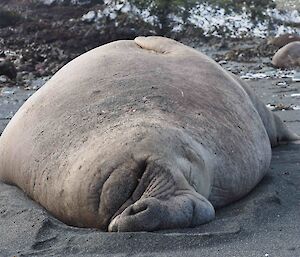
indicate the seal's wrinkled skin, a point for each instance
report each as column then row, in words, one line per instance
column 139, row 135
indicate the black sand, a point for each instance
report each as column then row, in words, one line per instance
column 265, row 223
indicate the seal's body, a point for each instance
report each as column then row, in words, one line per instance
column 139, row 135
column 287, row 56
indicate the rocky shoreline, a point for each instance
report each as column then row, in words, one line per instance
column 39, row 39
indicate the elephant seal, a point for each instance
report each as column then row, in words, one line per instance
column 287, row 56
column 139, row 136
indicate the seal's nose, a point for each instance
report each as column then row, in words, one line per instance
column 144, row 215
column 184, row 209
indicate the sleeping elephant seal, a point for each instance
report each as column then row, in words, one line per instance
column 287, row 56
column 139, row 135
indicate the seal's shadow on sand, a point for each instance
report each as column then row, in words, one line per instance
column 255, row 224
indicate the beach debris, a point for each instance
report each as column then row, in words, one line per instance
column 296, row 107
column 281, row 107
column 254, row 76
column 271, row 73
column 6, row 91
column 285, row 74
column 222, row 62
column 270, row 106
column 282, row 84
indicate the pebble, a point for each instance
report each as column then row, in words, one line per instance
column 296, row 77
column 3, row 78
column 254, row 76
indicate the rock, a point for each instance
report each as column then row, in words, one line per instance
column 287, row 56
column 8, row 69
column 3, row 79
column 283, row 40
column 296, row 77
column 89, row 17
column 8, row 18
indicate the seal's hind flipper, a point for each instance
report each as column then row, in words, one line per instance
column 277, row 131
column 160, row 45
